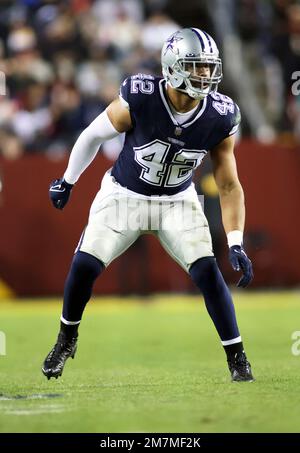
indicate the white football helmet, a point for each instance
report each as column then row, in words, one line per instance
column 185, row 57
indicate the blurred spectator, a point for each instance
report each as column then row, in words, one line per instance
column 156, row 30
column 33, row 118
column 10, row 145
column 121, row 36
column 107, row 11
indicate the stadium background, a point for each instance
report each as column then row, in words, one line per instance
column 155, row 366
column 64, row 62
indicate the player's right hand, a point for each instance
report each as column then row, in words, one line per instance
column 59, row 193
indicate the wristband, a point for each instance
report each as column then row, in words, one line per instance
column 234, row 237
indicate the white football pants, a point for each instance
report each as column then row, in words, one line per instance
column 119, row 216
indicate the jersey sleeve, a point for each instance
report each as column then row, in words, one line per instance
column 234, row 120
column 124, row 93
column 127, row 99
column 135, row 90
column 227, row 115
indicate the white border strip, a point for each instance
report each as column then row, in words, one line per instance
column 69, row 323
column 233, row 341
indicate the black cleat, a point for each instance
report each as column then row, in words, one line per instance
column 240, row 368
column 55, row 361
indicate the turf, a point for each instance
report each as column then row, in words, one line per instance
column 155, row 366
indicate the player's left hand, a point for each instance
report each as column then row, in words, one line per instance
column 240, row 261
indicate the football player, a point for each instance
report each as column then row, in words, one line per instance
column 171, row 123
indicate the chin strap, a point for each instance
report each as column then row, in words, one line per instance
column 200, row 97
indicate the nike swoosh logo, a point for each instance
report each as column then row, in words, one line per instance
column 240, row 252
column 57, row 188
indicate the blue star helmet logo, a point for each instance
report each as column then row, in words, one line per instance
column 172, row 43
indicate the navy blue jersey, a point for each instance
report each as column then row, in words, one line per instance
column 159, row 155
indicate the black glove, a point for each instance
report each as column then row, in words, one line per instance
column 59, row 192
column 240, row 261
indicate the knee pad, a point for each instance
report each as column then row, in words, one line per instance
column 204, row 271
column 86, row 265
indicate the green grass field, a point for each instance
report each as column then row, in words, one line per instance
column 151, row 367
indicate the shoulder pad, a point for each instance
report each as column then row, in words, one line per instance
column 228, row 110
column 135, row 87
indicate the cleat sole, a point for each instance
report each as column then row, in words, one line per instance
column 73, row 355
column 243, row 380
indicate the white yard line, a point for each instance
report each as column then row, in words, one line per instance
column 29, row 397
column 46, row 409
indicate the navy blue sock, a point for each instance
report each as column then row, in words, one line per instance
column 84, row 270
column 207, row 276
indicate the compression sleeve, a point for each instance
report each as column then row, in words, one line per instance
column 86, row 146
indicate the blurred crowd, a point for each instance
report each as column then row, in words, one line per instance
column 270, row 35
column 64, row 62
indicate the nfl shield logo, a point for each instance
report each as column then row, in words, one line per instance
column 178, row 131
